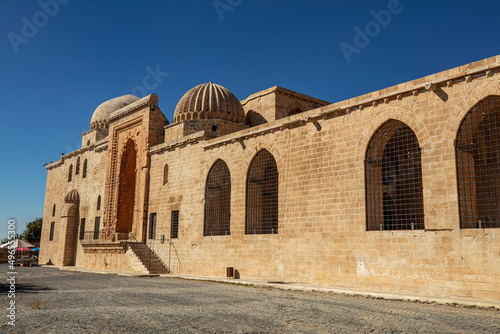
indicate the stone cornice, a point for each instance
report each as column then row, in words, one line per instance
column 181, row 142
column 70, row 155
column 461, row 75
column 133, row 107
column 283, row 91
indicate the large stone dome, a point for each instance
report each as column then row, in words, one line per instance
column 209, row 101
column 101, row 114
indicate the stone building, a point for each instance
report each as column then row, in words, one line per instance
column 396, row 190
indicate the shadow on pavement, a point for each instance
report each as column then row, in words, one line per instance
column 24, row 288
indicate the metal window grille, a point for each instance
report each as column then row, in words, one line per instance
column 84, row 173
column 393, row 179
column 152, row 226
column 52, row 227
column 54, row 210
column 477, row 150
column 97, row 226
column 218, row 200
column 77, row 170
column 174, row 227
column 82, row 228
column 70, row 173
column 262, row 195
column 99, row 202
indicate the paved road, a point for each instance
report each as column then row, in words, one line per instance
column 53, row 301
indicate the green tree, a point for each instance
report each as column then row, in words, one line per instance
column 6, row 240
column 33, row 231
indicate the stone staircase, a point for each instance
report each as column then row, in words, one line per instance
column 149, row 259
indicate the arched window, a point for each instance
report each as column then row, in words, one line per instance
column 77, row 169
column 70, row 173
column 393, row 178
column 99, row 202
column 165, row 174
column 218, row 200
column 477, row 152
column 262, row 195
column 54, row 210
column 84, row 173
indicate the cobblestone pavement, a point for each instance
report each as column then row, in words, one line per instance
column 53, row 301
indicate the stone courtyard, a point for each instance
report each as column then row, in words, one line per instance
column 52, row 301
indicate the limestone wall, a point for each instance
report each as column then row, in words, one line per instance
column 320, row 153
column 322, row 229
column 89, row 188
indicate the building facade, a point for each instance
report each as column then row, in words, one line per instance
column 396, row 190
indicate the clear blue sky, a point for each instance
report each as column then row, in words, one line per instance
column 86, row 52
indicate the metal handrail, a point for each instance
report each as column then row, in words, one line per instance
column 176, row 254
column 142, row 251
column 122, row 235
column 151, row 253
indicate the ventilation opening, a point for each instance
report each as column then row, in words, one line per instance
column 214, row 128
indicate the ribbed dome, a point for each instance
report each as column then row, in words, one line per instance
column 101, row 114
column 209, row 101
column 72, row 197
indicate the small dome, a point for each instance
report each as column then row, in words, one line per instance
column 209, row 101
column 102, row 113
column 72, row 197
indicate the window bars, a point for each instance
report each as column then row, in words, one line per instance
column 97, row 226
column 393, row 178
column 262, row 195
column 152, row 226
column 218, row 200
column 174, row 227
column 477, row 151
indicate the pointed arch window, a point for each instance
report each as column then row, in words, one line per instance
column 218, row 200
column 70, row 173
column 262, row 195
column 84, row 172
column 477, row 150
column 393, row 179
column 165, row 174
column 77, row 169
column 98, row 202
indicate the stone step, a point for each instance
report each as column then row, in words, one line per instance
column 150, row 261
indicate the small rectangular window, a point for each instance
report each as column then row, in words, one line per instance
column 174, row 228
column 97, row 226
column 152, row 226
column 82, row 228
column 52, row 226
